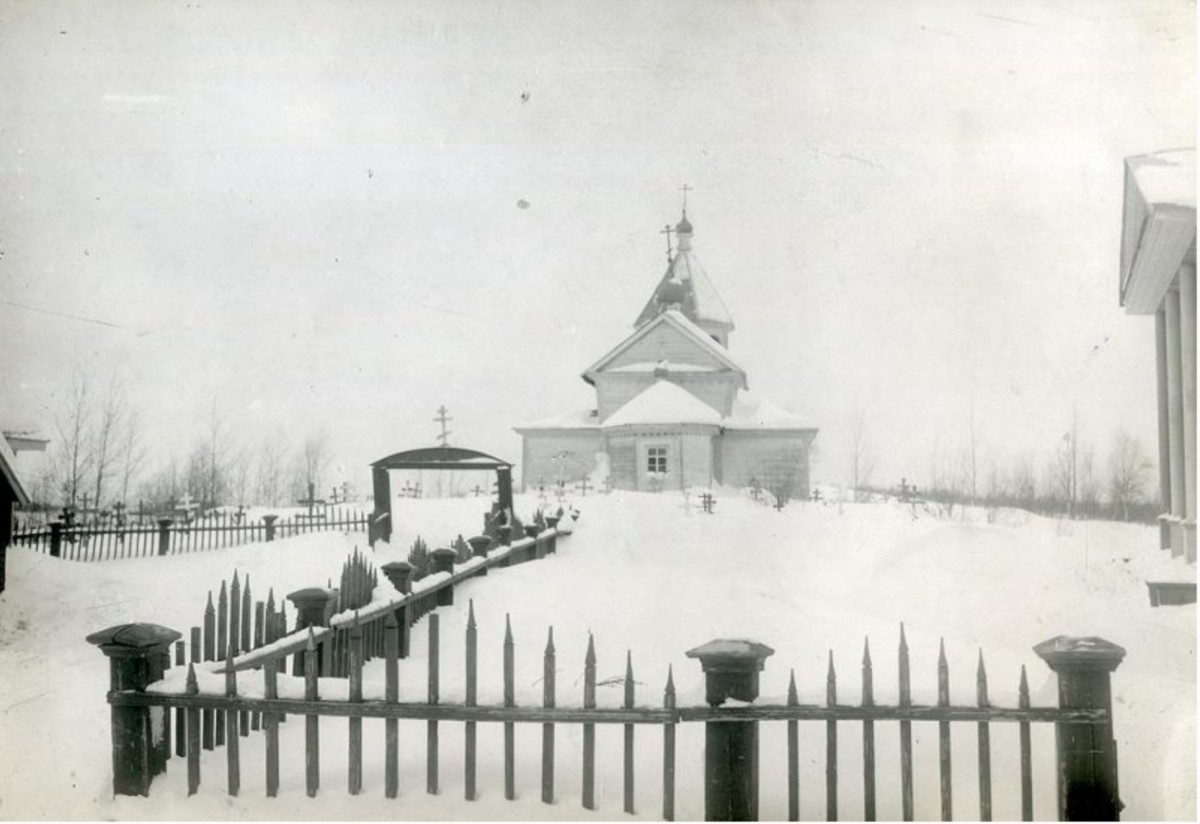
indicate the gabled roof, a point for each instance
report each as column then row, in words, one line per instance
column 663, row 402
column 685, row 327
column 8, row 470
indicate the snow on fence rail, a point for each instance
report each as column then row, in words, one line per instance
column 83, row 542
column 143, row 692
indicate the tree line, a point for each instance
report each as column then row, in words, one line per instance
column 98, row 457
column 1068, row 479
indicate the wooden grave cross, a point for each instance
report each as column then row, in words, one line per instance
column 311, row 501
column 443, row 418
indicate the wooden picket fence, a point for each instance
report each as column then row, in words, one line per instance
column 1086, row 755
column 106, row 542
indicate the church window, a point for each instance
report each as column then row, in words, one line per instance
column 656, row 459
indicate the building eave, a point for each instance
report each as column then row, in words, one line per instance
column 8, row 468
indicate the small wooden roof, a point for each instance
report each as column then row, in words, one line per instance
column 441, row 457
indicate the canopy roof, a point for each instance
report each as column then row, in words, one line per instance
column 440, row 457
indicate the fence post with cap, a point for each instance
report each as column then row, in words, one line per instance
column 164, row 535
column 731, row 669
column 442, row 560
column 138, row 656
column 1087, row 752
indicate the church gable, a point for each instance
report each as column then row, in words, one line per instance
column 665, row 342
column 672, row 338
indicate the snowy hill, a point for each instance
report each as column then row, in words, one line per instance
column 656, row 577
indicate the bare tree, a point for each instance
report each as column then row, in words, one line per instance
column 269, row 472
column 1024, row 482
column 239, row 475
column 106, row 436
column 133, row 454
column 862, row 460
column 1128, row 466
column 207, row 470
column 971, row 453
column 1088, row 485
column 74, row 448
column 998, row 490
column 1064, row 471
column 163, row 487
column 312, row 462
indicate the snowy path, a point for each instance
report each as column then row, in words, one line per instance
column 648, row 575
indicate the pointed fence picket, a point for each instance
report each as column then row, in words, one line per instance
column 1092, row 779
column 150, row 538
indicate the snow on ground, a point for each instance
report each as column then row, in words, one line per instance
column 648, row 575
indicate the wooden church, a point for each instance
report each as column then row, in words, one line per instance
column 671, row 410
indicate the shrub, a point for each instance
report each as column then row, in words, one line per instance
column 418, row 556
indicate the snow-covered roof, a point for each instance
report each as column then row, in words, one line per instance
column 663, row 402
column 761, row 414
column 679, row 322
column 685, row 283
column 1159, row 226
column 1166, row 177
column 8, row 468
column 581, row 419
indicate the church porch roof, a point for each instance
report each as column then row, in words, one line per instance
column 583, row 419
column 663, row 402
column 760, row 415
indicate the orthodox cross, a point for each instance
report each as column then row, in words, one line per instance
column 685, row 189
column 583, row 487
column 187, row 505
column 668, row 231
column 311, row 501
column 443, row 418
column 478, row 490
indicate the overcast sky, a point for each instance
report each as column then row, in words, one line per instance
column 312, row 211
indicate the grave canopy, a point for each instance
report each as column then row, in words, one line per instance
column 441, row 457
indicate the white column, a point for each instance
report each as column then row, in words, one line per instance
column 1187, row 322
column 1164, row 428
column 1175, row 417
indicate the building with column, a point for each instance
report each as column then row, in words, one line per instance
column 1158, row 277
column 672, row 409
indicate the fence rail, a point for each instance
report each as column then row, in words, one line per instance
column 84, row 542
column 1086, row 756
